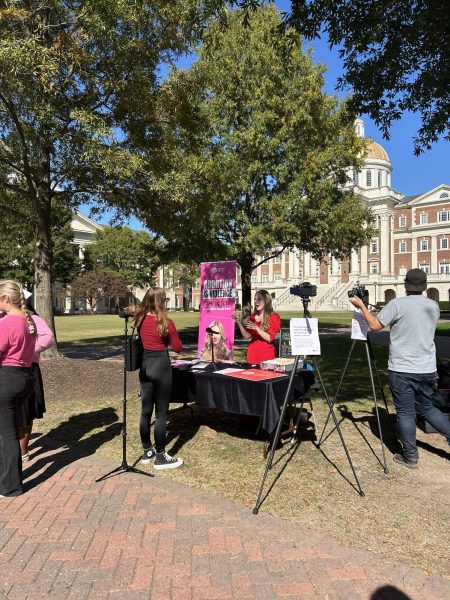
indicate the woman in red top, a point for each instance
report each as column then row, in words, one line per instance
column 157, row 332
column 261, row 329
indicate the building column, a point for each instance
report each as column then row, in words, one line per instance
column 385, row 251
column 291, row 264
column 414, row 252
column 283, row 266
column 434, row 265
column 271, row 269
column 296, row 266
column 354, row 267
column 364, row 266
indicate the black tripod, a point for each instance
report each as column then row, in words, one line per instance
column 372, row 368
column 275, row 441
column 124, row 467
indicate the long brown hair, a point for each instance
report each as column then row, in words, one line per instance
column 14, row 291
column 154, row 302
column 268, row 308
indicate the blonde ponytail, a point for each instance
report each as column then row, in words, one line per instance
column 14, row 291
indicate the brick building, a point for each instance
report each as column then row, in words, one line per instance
column 410, row 231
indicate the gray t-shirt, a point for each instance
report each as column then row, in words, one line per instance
column 413, row 322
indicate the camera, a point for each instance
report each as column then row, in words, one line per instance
column 304, row 290
column 359, row 291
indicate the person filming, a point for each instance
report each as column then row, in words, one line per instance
column 412, row 361
column 157, row 332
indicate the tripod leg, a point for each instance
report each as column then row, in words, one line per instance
column 338, row 388
column 277, row 435
column 374, row 362
column 337, row 427
column 369, row 362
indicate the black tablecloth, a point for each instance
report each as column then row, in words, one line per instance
column 231, row 394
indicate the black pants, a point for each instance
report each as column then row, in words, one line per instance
column 15, row 388
column 155, row 377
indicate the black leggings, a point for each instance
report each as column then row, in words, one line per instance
column 15, row 387
column 155, row 377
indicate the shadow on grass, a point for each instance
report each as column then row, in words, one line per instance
column 75, row 432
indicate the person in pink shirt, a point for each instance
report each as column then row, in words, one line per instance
column 17, row 342
column 34, row 408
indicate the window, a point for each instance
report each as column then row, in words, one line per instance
column 443, row 215
column 402, row 247
column 425, row 268
column 402, row 221
column 253, row 278
column 444, row 243
column 444, row 267
column 373, row 246
column 374, row 268
column 380, row 178
column 355, row 178
column 277, row 276
column 423, row 219
column 265, row 278
column 374, row 221
column 423, row 245
column 368, row 178
column 277, row 259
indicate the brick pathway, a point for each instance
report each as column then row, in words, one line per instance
column 135, row 537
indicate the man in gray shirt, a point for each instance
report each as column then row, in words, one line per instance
column 412, row 361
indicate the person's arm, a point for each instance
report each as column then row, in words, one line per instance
column 175, row 341
column 274, row 328
column 372, row 321
column 245, row 334
column 45, row 337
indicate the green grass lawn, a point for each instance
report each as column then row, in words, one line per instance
column 107, row 330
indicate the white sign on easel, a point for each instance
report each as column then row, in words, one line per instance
column 305, row 337
column 359, row 326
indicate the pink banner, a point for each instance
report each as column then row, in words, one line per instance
column 217, row 306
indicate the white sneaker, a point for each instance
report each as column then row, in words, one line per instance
column 165, row 461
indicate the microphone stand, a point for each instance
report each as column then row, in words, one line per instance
column 124, row 467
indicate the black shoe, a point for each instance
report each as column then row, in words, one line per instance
column 149, row 454
column 401, row 460
column 165, row 461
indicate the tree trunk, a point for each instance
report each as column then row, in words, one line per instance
column 42, row 265
column 246, row 265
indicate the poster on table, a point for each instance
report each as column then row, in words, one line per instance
column 217, row 306
column 359, row 326
column 305, row 337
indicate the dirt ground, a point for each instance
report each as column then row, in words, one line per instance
column 404, row 515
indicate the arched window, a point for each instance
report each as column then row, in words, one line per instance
column 433, row 294
column 368, row 178
column 389, row 295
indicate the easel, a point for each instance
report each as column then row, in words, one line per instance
column 269, row 463
column 372, row 367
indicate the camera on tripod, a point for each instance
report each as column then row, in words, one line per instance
column 359, row 291
column 304, row 290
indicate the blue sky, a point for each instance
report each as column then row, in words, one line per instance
column 412, row 174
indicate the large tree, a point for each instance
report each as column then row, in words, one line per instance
column 269, row 164
column 396, row 56
column 77, row 86
column 132, row 255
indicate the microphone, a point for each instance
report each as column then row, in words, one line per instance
column 210, row 330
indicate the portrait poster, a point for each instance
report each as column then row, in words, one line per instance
column 217, row 306
column 305, row 337
column 359, row 326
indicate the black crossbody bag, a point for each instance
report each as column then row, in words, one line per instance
column 134, row 351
